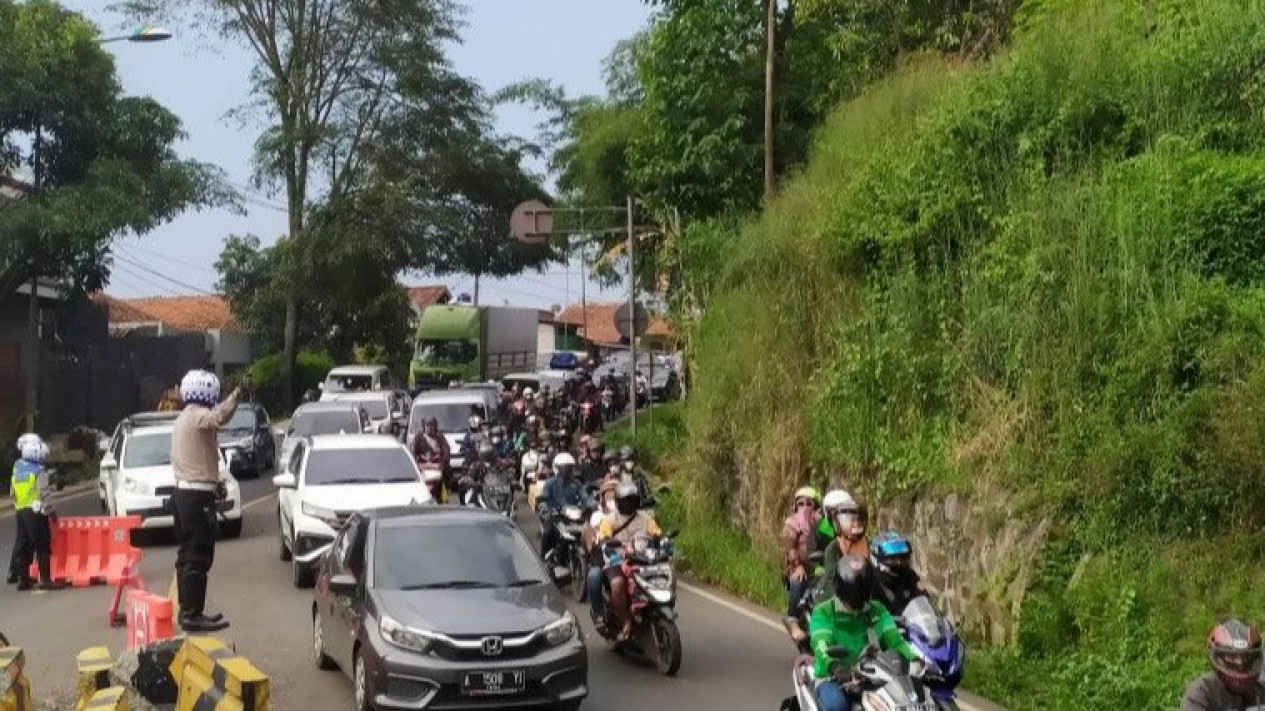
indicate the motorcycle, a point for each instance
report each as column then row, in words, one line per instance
column 937, row 642
column 883, row 682
column 433, row 477
column 569, row 551
column 652, row 594
column 495, row 492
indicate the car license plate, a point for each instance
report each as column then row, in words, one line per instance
column 495, row 683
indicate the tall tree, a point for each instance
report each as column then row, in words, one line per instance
column 327, row 74
column 99, row 163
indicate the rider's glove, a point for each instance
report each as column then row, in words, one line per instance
column 37, row 507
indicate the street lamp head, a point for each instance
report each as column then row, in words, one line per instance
column 149, row 34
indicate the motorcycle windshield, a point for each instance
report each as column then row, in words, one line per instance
column 921, row 616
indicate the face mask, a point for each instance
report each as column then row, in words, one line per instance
column 609, row 507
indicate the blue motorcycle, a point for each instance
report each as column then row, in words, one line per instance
column 936, row 640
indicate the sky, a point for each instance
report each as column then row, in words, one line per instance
column 504, row 41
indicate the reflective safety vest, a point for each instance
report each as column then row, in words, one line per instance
column 26, row 484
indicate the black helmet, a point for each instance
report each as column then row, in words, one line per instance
column 627, row 499
column 854, row 582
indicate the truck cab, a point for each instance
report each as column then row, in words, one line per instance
column 458, row 343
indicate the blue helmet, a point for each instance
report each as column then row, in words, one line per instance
column 887, row 545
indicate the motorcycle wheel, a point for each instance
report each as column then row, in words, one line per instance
column 667, row 642
column 579, row 579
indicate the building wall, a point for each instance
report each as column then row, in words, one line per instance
column 545, row 338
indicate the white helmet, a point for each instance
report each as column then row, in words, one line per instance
column 34, row 450
column 201, row 387
column 528, row 393
column 838, row 499
column 564, row 459
column 29, row 436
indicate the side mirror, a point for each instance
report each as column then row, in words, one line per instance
column 108, row 462
column 561, row 576
column 343, row 585
column 103, row 444
column 285, row 481
column 320, row 386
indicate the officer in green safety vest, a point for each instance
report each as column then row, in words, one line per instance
column 30, row 491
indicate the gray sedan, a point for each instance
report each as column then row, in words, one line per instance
column 437, row 607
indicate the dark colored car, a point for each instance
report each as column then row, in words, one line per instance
column 250, row 434
column 437, row 607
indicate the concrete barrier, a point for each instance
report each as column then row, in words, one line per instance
column 113, row 698
column 94, row 673
column 15, row 690
column 211, row 676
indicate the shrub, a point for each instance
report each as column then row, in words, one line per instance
column 310, row 368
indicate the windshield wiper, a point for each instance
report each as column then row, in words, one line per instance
column 450, row 585
column 527, row 583
column 349, row 480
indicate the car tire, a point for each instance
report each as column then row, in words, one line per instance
column 231, row 528
column 362, row 695
column 304, row 577
column 323, row 660
column 283, row 551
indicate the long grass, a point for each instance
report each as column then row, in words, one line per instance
column 1044, row 272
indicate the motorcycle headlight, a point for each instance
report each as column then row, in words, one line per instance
column 414, row 640
column 561, row 631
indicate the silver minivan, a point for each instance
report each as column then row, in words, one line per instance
column 452, row 410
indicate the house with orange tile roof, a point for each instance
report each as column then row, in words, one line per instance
column 227, row 343
column 586, row 326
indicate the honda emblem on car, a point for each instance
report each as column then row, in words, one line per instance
column 493, row 646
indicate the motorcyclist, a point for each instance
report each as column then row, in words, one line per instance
column 591, row 469
column 898, row 583
column 798, row 533
column 470, row 440
column 845, row 621
column 431, row 447
column 563, row 490
column 501, row 444
column 476, row 470
column 632, row 472
column 831, row 504
column 849, row 524
column 604, row 510
column 1234, row 684
column 626, row 526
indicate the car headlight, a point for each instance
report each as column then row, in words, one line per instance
column 403, row 637
column 135, row 486
column 323, row 514
column 561, row 631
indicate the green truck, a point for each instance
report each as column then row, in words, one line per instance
column 463, row 343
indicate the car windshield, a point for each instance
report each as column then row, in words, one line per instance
column 447, row 554
column 147, row 450
column 447, row 352
column 242, row 419
column 306, row 424
column 376, row 408
column 451, row 416
column 348, row 383
column 325, row 467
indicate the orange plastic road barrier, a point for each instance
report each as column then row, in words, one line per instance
column 131, row 581
column 149, row 618
column 93, row 550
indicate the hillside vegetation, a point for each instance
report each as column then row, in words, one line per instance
column 1041, row 274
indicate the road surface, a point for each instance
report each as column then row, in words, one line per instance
column 735, row 656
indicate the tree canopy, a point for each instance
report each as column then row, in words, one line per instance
column 95, row 163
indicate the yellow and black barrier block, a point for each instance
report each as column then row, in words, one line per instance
column 15, row 690
column 94, row 672
column 212, row 677
column 113, row 698
column 147, row 671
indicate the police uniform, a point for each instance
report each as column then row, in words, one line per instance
column 30, row 491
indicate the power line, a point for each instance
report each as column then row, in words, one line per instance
column 205, row 269
column 133, row 274
column 177, row 282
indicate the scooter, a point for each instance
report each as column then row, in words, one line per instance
column 495, row 493
column 530, row 462
column 652, row 595
column 433, row 477
column 883, row 682
column 935, row 639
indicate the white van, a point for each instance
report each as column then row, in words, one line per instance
column 356, row 379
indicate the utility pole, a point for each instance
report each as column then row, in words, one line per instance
column 476, row 289
column 769, row 54
column 632, row 315
column 32, row 365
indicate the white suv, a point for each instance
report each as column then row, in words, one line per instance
column 137, row 480
column 330, row 477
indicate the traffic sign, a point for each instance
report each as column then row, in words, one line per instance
column 531, row 222
column 632, row 327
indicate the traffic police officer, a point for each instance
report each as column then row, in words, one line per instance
column 30, row 492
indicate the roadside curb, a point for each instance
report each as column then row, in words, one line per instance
column 67, row 493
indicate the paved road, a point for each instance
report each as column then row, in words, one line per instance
column 730, row 661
